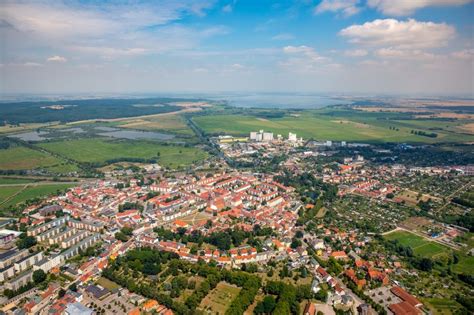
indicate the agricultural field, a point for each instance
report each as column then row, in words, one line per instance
column 13, row 195
column 170, row 123
column 327, row 124
column 219, row 299
column 420, row 246
column 23, row 158
column 96, row 150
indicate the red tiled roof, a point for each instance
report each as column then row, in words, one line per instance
column 405, row 296
column 403, row 308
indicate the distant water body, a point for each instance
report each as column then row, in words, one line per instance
column 282, row 101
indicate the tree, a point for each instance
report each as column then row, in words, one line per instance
column 26, row 241
column 295, row 243
column 426, row 264
column 73, row 287
column 61, row 293
column 266, row 306
column 127, row 231
column 121, row 236
column 321, row 295
column 39, row 276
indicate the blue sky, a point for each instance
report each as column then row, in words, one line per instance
column 330, row 46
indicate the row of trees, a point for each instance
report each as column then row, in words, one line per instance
column 223, row 240
column 424, row 133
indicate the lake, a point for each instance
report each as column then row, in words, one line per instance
column 100, row 131
column 31, row 136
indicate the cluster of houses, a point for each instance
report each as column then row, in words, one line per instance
column 206, row 203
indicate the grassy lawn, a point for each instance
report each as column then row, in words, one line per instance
column 442, row 306
column 425, row 248
column 7, row 191
column 465, row 265
column 340, row 125
column 22, row 158
column 98, row 150
column 420, row 246
column 429, row 249
column 407, row 238
column 219, row 299
column 20, row 194
column 6, row 181
column 106, row 283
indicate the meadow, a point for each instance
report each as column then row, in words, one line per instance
column 7, row 181
column 336, row 125
column 95, row 150
column 465, row 265
column 23, row 158
column 13, row 195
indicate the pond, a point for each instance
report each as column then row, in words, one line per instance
column 99, row 131
column 31, row 136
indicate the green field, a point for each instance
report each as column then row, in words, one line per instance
column 335, row 125
column 100, row 151
column 169, row 123
column 425, row 248
column 8, row 191
column 442, row 306
column 429, row 250
column 22, row 158
column 106, row 283
column 12, row 195
column 6, row 181
column 420, row 246
column 465, row 265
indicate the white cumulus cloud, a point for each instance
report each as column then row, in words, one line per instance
column 346, row 7
column 306, row 51
column 407, row 7
column 410, row 34
column 56, row 59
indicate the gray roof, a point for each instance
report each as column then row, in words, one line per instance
column 77, row 309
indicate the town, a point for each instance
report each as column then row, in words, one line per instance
column 275, row 225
